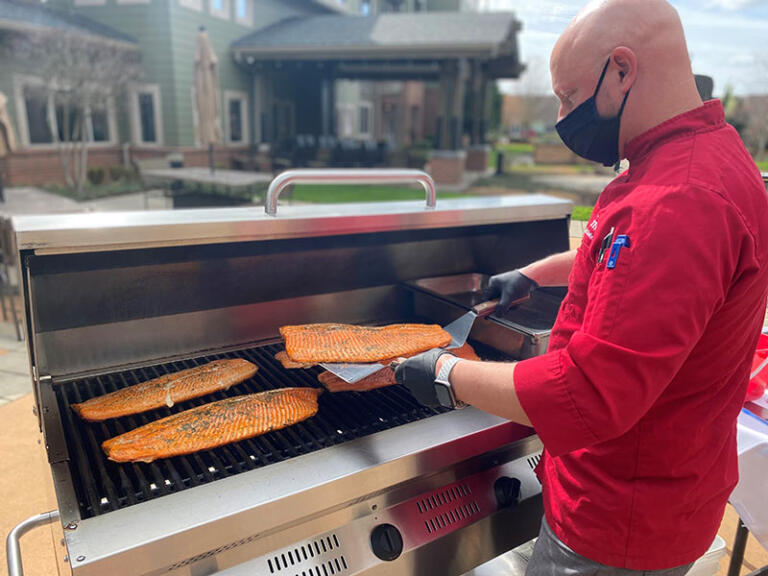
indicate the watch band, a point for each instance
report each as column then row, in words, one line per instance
column 445, row 370
column 443, row 380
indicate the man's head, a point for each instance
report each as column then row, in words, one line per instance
column 644, row 45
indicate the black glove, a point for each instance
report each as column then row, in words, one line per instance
column 508, row 287
column 418, row 375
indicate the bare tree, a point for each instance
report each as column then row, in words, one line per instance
column 82, row 74
column 754, row 111
column 534, row 100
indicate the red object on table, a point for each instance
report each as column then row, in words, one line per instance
column 759, row 374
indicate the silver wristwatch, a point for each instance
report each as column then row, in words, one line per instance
column 443, row 389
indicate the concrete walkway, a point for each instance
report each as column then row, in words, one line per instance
column 15, row 380
column 28, row 200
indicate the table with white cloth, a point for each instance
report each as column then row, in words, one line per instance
column 750, row 497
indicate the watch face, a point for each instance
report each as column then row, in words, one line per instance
column 443, row 395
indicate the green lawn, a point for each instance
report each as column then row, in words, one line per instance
column 516, row 148
column 511, row 149
column 763, row 166
column 91, row 192
column 582, row 213
column 326, row 194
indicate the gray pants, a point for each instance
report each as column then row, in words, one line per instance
column 551, row 557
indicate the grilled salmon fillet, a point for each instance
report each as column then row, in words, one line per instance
column 214, row 424
column 382, row 378
column 289, row 364
column 317, row 343
column 167, row 390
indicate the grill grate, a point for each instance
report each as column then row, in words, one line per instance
column 102, row 485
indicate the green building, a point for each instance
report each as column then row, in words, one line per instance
column 394, row 71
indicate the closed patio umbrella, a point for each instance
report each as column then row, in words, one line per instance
column 207, row 93
column 7, row 138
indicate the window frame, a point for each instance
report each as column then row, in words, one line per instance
column 242, row 97
column 224, row 13
column 196, row 5
column 369, row 105
column 346, row 110
column 136, row 136
column 22, row 81
column 248, row 20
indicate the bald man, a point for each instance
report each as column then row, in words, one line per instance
column 637, row 397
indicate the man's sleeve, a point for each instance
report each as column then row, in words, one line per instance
column 642, row 319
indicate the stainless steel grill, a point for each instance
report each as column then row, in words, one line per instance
column 342, row 417
column 374, row 483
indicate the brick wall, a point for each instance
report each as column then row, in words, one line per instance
column 41, row 167
column 555, row 153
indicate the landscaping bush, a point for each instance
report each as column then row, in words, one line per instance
column 96, row 176
column 119, row 172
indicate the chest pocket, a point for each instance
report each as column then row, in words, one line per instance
column 606, row 294
column 578, row 280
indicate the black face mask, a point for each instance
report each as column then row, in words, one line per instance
column 589, row 135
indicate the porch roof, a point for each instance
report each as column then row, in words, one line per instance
column 16, row 15
column 383, row 41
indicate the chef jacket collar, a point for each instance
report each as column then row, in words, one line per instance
column 709, row 116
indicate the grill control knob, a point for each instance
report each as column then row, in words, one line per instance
column 507, row 492
column 387, row 542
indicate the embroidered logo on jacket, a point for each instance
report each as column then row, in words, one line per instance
column 591, row 228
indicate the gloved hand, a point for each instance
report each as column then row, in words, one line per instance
column 418, row 375
column 508, row 287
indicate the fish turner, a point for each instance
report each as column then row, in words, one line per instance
column 352, row 373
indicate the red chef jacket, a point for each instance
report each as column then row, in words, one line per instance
column 637, row 397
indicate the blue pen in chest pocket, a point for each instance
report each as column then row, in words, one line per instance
column 622, row 241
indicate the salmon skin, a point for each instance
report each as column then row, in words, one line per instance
column 166, row 390
column 289, row 364
column 347, row 343
column 214, row 424
column 382, row 378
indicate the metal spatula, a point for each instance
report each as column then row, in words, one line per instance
column 460, row 328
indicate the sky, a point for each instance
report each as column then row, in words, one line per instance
column 727, row 39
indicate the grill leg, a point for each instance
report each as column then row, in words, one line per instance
column 739, row 546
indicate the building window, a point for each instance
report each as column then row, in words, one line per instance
column 100, row 129
column 236, row 116
column 219, row 8
column 235, row 121
column 244, row 12
column 36, row 104
column 196, row 5
column 365, row 119
column 345, row 120
column 68, row 121
column 146, row 118
column 365, row 7
column 90, row 2
column 40, row 110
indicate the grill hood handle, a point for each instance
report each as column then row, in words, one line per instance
column 351, row 176
column 12, row 548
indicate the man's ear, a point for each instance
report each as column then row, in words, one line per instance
column 625, row 60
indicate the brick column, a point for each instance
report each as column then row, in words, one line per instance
column 447, row 166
